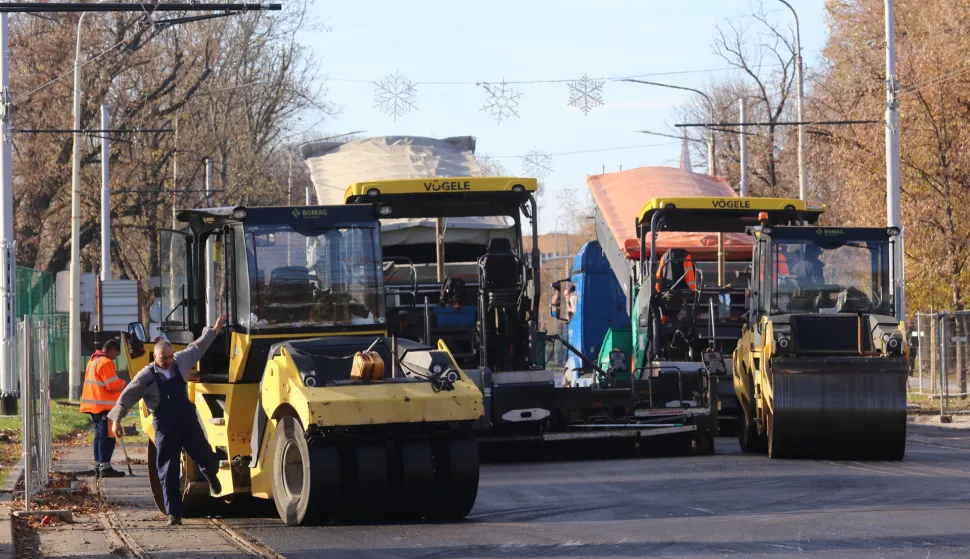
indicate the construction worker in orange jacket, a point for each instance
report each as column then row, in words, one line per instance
column 101, row 390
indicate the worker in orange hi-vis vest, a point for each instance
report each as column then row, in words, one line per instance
column 102, row 387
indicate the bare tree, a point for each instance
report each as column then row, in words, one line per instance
column 763, row 53
column 238, row 89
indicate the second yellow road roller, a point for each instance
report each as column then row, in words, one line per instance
column 821, row 366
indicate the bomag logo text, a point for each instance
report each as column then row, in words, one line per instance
column 731, row 204
column 307, row 213
column 448, row 186
column 829, row 232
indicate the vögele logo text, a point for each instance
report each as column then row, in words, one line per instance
column 447, row 186
column 731, row 204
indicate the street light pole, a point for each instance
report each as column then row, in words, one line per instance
column 711, row 161
column 743, row 143
column 74, row 374
column 105, row 199
column 893, row 210
column 802, row 178
column 8, row 247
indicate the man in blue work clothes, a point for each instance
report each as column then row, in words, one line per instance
column 163, row 386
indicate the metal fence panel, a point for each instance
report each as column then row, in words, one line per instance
column 35, row 404
column 941, row 357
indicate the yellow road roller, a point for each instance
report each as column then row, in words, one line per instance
column 305, row 396
column 821, row 366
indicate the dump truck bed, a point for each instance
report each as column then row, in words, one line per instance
column 619, row 196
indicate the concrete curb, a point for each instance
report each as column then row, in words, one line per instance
column 16, row 472
column 6, row 495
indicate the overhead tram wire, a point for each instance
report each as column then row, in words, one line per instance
column 595, row 150
column 556, row 80
column 34, row 8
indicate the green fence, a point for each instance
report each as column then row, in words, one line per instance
column 35, row 297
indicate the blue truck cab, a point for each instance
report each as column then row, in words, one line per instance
column 591, row 304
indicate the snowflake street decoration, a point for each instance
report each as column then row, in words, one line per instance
column 537, row 164
column 502, row 102
column 586, row 94
column 395, row 95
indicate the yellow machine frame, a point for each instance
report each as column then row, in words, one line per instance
column 283, row 392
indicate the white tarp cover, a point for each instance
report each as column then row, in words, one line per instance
column 336, row 165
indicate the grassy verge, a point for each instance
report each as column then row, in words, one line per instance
column 68, row 425
column 928, row 405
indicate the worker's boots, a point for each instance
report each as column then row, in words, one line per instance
column 215, row 486
column 108, row 471
column 174, row 520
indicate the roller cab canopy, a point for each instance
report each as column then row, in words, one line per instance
column 444, row 196
column 724, row 214
column 300, row 218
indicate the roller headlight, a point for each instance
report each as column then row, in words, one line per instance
column 894, row 345
column 783, row 344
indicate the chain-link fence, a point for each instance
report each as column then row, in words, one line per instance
column 35, row 403
column 941, row 355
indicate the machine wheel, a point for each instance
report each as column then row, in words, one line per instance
column 411, row 480
column 365, row 482
column 153, row 479
column 306, row 478
column 455, row 479
column 748, row 435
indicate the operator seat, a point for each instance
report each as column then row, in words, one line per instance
column 500, row 326
column 289, row 294
column 675, row 304
column 676, row 271
column 500, row 264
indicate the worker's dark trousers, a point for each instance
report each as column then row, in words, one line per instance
column 177, row 427
column 104, row 446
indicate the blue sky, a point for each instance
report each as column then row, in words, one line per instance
column 431, row 41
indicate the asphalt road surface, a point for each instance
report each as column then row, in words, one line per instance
column 729, row 505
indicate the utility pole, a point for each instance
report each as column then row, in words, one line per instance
column 744, row 150
column 210, row 267
column 105, row 199
column 8, row 247
column 289, row 202
column 802, row 178
column 893, row 213
column 439, row 235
